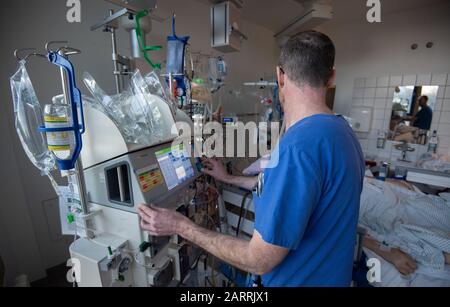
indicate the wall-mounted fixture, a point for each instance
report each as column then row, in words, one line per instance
column 314, row 14
column 414, row 46
column 430, row 45
column 361, row 118
column 226, row 35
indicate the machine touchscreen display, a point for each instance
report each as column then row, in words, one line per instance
column 175, row 165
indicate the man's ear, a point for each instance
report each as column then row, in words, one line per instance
column 280, row 77
column 332, row 80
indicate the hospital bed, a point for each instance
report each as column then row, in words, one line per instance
column 416, row 223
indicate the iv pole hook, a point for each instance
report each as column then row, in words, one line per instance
column 34, row 53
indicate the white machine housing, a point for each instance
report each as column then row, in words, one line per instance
column 120, row 177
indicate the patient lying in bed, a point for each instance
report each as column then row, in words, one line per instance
column 407, row 230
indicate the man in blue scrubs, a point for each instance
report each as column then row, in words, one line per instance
column 424, row 117
column 307, row 213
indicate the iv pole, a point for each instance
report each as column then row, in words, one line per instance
column 79, row 171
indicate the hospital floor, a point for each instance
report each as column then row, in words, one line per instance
column 56, row 277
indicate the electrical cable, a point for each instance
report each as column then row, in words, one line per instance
column 241, row 213
column 192, row 267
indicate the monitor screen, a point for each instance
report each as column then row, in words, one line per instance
column 175, row 165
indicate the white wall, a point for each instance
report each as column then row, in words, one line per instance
column 28, row 243
column 383, row 49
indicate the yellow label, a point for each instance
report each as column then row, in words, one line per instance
column 150, row 179
column 58, row 148
column 55, row 119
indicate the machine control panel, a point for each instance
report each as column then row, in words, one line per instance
column 176, row 166
column 156, row 175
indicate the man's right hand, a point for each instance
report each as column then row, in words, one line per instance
column 215, row 169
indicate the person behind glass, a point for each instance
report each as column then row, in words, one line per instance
column 423, row 118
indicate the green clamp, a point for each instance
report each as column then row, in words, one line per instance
column 140, row 36
column 70, row 218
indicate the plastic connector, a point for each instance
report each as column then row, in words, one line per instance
column 144, row 246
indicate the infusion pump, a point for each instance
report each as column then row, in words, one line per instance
column 121, row 253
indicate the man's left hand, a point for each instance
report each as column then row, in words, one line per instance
column 158, row 221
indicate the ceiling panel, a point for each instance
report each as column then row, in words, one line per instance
column 274, row 14
column 271, row 14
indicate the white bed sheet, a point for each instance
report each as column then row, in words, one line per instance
column 422, row 277
column 416, row 223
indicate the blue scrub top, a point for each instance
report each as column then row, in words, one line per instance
column 310, row 203
column 424, row 118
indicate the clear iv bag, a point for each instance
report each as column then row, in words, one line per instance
column 160, row 109
column 28, row 118
column 137, row 112
column 157, row 86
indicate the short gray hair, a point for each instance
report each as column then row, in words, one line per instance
column 308, row 58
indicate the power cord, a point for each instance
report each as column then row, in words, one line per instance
column 241, row 213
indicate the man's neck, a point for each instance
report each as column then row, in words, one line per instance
column 304, row 102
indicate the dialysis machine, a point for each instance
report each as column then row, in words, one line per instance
column 119, row 177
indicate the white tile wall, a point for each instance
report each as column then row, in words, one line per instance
column 377, row 124
column 423, row 80
column 445, row 142
column 380, row 103
column 439, row 79
column 381, row 92
column 389, row 104
column 360, row 82
column 358, row 102
column 438, row 105
column 391, row 92
column 409, row 80
column 378, row 92
column 371, row 82
column 368, row 102
column 447, row 92
column 369, row 92
column 382, row 81
column 436, row 120
column 395, row 81
column 444, row 129
column 445, row 118
column 441, row 92
column 358, row 93
column 378, row 114
column 446, row 105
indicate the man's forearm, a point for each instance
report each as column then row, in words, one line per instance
column 232, row 250
column 241, row 181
